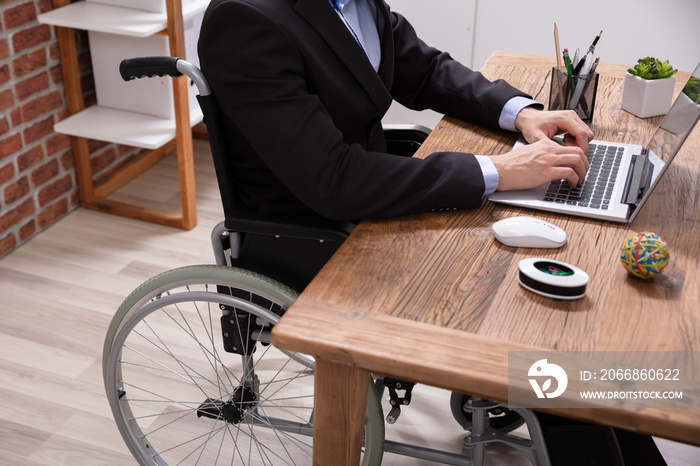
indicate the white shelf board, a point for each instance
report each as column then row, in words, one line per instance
column 115, row 20
column 122, row 127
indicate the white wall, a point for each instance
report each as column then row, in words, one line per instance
column 471, row 29
column 445, row 24
column 632, row 29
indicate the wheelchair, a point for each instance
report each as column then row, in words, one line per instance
column 189, row 371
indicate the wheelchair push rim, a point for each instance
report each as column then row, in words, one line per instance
column 179, row 398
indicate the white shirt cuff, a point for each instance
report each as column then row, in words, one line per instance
column 512, row 108
column 488, row 169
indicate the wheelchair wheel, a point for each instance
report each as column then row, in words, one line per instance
column 191, row 377
column 501, row 419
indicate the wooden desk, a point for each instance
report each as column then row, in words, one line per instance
column 434, row 299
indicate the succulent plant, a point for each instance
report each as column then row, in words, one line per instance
column 692, row 89
column 652, row 68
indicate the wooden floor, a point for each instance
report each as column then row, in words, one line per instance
column 57, row 295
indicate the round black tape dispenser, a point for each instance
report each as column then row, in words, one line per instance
column 552, row 278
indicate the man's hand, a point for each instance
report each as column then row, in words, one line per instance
column 539, row 163
column 536, row 125
column 543, row 160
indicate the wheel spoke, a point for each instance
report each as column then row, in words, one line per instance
column 180, row 398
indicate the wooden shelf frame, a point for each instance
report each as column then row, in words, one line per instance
column 94, row 195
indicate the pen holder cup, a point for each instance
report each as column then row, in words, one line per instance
column 574, row 93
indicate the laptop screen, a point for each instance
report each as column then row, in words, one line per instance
column 673, row 131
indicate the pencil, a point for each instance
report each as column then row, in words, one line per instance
column 556, row 46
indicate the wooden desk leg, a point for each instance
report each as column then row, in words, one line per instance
column 340, row 404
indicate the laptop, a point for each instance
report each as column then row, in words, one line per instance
column 621, row 176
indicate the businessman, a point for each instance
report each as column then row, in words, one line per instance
column 304, row 84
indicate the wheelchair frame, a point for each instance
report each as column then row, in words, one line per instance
column 254, row 302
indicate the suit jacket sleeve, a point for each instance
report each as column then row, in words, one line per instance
column 267, row 86
column 428, row 78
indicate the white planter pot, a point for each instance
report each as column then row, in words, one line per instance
column 647, row 98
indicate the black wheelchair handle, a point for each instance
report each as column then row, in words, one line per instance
column 148, row 67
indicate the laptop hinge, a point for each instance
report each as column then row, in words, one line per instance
column 638, row 178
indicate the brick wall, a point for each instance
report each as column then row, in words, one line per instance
column 37, row 173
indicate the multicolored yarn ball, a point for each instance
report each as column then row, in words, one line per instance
column 644, row 255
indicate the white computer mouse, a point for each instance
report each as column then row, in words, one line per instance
column 528, row 232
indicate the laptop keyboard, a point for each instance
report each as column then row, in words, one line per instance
column 596, row 190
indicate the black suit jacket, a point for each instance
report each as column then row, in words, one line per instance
column 302, row 110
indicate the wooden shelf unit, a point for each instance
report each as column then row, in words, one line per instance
column 160, row 136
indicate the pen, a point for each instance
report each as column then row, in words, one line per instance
column 587, row 69
column 595, row 41
column 584, row 105
column 580, row 63
column 588, row 63
column 588, row 54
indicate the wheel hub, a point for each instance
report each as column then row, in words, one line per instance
column 233, row 411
